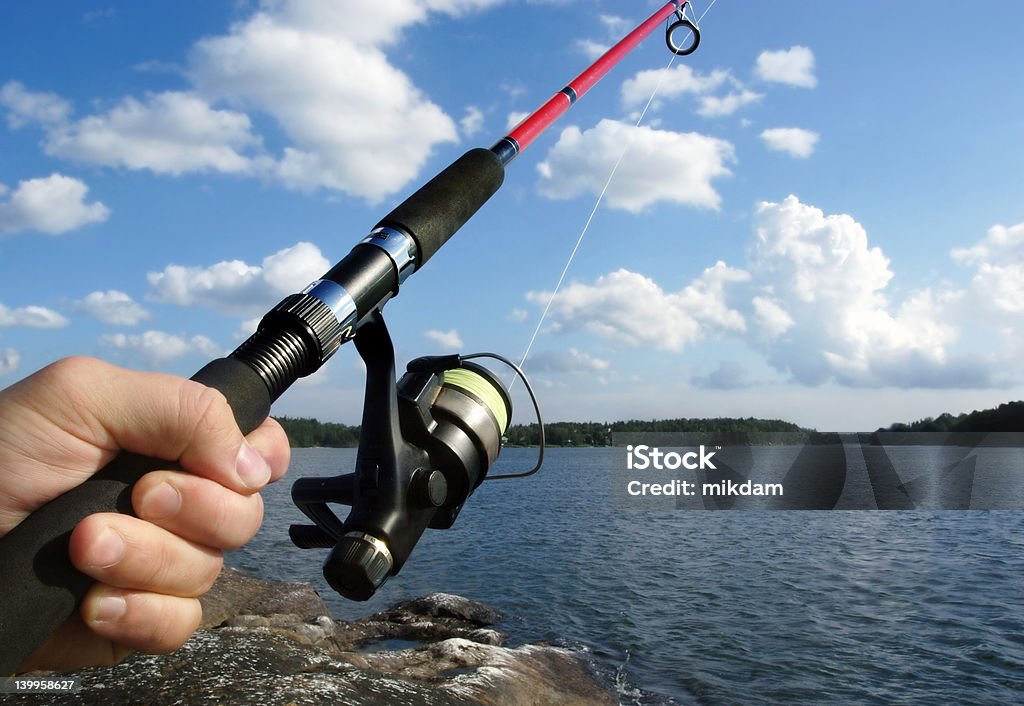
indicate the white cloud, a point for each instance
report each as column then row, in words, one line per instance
column 25, row 107
column 357, row 123
column 112, row 307
column 31, row 317
column 167, row 133
column 999, row 260
column 570, row 361
column 53, row 205
column 828, row 316
column 771, row 319
column 445, row 340
column 795, row 141
column 580, row 163
column 632, row 309
column 159, row 347
column 472, row 122
column 351, row 120
column 9, row 359
column 670, row 83
column 719, row 106
column 236, row 287
column 793, row 66
column 815, row 299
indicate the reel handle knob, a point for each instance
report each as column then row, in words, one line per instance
column 358, row 565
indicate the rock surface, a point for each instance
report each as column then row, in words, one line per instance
column 275, row 643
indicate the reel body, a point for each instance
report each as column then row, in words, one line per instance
column 426, row 443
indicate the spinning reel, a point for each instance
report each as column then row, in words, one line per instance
column 426, row 443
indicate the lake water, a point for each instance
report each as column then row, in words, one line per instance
column 675, row 606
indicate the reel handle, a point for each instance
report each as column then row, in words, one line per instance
column 41, row 587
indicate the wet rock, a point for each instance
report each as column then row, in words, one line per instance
column 275, row 643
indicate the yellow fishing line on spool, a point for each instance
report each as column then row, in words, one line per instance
column 481, row 388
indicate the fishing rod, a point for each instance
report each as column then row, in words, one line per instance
column 427, row 440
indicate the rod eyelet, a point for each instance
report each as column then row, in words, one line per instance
column 682, row 50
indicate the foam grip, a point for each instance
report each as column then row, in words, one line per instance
column 433, row 214
column 41, row 588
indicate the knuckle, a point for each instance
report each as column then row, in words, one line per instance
column 202, row 408
column 72, row 368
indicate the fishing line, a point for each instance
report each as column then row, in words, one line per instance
column 597, row 205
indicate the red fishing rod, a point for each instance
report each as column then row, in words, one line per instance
column 426, row 441
column 541, row 119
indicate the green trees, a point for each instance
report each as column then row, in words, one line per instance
column 1006, row 417
column 305, row 431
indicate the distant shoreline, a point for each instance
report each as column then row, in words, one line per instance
column 307, row 432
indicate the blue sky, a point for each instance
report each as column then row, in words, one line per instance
column 819, row 219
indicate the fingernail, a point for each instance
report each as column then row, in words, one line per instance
column 109, row 609
column 162, row 502
column 252, row 468
column 107, row 550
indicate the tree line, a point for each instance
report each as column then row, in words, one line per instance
column 306, row 431
column 1007, row 417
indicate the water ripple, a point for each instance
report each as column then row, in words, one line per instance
column 716, row 607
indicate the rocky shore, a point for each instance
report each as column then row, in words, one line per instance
column 275, row 643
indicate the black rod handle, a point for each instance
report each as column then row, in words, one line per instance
column 41, row 588
column 442, row 205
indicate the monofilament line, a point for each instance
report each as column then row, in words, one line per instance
column 597, row 205
column 590, row 218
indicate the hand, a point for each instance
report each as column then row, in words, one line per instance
column 65, row 422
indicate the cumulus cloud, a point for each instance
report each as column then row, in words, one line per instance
column 53, row 205
column 719, row 106
column 236, row 287
column 999, row 262
column 158, row 347
column 445, row 340
column 793, row 66
column 9, row 359
column 770, row 318
column 167, row 133
column 581, row 161
column 351, row 120
column 112, row 307
column 826, row 314
column 633, row 309
column 670, row 83
column 682, row 80
column 796, row 142
column 816, row 299
column 570, row 361
column 356, row 122
column 31, row 317
column 26, row 107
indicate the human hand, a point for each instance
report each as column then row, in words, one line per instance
column 67, row 421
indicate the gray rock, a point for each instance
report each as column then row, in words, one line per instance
column 236, row 593
column 276, row 644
